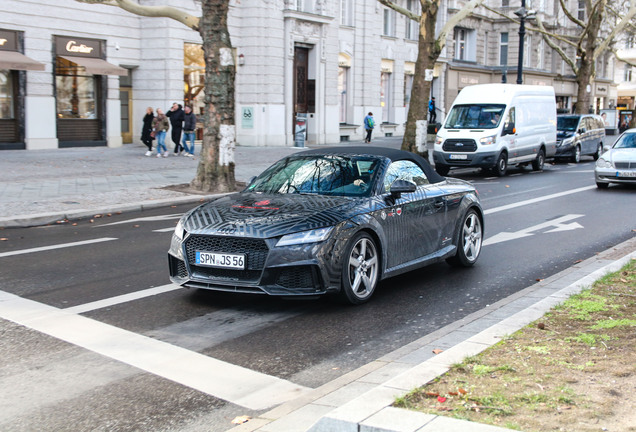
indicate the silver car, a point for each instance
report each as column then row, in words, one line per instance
column 618, row 164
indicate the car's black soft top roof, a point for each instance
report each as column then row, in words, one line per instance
column 389, row 153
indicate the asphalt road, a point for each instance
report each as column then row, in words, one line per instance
column 537, row 224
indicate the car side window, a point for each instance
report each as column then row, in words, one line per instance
column 510, row 119
column 404, row 170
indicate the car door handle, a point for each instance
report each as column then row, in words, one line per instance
column 439, row 204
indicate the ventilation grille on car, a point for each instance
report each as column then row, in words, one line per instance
column 255, row 251
column 459, row 145
column 296, row 277
column 625, row 165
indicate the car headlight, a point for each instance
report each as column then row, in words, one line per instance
column 567, row 142
column 488, row 140
column 179, row 230
column 439, row 140
column 305, row 237
column 604, row 163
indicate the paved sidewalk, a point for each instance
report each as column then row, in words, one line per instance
column 43, row 186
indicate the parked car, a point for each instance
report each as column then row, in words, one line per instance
column 493, row 126
column 618, row 164
column 578, row 135
column 334, row 220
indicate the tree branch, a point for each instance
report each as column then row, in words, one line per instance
column 558, row 49
column 151, row 11
column 627, row 19
column 407, row 13
column 571, row 17
column 454, row 20
column 619, row 58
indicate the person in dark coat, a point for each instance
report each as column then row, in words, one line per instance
column 189, row 127
column 176, row 116
column 146, row 130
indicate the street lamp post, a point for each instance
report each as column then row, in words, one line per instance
column 523, row 15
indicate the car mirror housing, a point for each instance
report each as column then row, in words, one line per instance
column 399, row 187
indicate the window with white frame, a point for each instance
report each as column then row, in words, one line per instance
column 505, row 3
column 540, row 54
column 385, row 96
column 581, row 10
column 527, row 50
column 346, row 12
column 306, row 6
column 465, row 44
column 412, row 27
column 343, row 89
column 389, row 22
column 627, row 77
column 503, row 49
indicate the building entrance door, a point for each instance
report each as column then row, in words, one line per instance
column 125, row 101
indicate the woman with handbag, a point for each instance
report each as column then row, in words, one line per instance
column 160, row 126
column 147, row 135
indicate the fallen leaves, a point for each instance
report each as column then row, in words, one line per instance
column 241, row 419
column 4, row 239
column 437, row 351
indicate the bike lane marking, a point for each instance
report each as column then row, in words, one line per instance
column 58, row 246
column 536, row 200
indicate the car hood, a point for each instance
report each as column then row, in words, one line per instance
column 623, row 155
column 564, row 134
column 258, row 215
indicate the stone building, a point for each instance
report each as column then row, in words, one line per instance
column 74, row 74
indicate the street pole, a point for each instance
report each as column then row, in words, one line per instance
column 522, row 33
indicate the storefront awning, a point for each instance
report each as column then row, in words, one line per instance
column 16, row 61
column 97, row 66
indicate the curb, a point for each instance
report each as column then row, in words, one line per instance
column 360, row 401
column 39, row 219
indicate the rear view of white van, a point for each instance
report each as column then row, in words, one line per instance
column 493, row 126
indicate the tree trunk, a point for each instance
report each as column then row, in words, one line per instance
column 586, row 72
column 215, row 172
column 428, row 52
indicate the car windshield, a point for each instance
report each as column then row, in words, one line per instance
column 627, row 140
column 319, row 174
column 483, row 116
column 567, row 124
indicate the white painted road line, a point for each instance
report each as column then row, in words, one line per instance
column 100, row 304
column 557, row 225
column 53, row 247
column 536, row 200
column 144, row 219
column 235, row 384
column 164, row 229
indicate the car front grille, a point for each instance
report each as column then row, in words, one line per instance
column 255, row 251
column 459, row 145
column 296, row 277
column 625, row 165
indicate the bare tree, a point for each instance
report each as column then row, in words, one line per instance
column 216, row 166
column 585, row 40
column 430, row 47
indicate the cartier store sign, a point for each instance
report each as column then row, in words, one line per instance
column 8, row 40
column 79, row 47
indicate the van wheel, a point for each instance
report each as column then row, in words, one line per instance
column 501, row 166
column 538, row 163
column 576, row 157
column 599, row 150
column 442, row 169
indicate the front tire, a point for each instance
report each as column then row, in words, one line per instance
column 360, row 269
column 538, row 163
column 576, row 157
column 470, row 241
column 599, row 151
column 501, row 166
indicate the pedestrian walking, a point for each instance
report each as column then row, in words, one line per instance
column 431, row 110
column 189, row 126
column 160, row 126
column 369, row 124
column 147, row 137
column 176, row 116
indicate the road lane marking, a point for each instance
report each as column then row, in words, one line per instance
column 235, row 384
column 58, row 246
column 559, row 224
column 164, row 229
column 124, row 298
column 144, row 219
column 536, row 200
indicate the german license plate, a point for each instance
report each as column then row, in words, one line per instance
column 626, row 174
column 459, row 156
column 220, row 260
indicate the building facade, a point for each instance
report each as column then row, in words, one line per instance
column 75, row 74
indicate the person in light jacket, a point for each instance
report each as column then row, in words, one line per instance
column 161, row 125
column 189, row 127
column 369, row 124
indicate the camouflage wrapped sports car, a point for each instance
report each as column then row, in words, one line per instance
column 335, row 220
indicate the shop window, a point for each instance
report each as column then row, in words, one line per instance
column 194, row 76
column 7, row 100
column 75, row 91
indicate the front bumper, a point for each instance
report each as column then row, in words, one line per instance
column 565, row 150
column 612, row 175
column 298, row 270
column 478, row 160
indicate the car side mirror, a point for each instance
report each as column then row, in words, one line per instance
column 509, row 130
column 399, row 187
column 582, row 130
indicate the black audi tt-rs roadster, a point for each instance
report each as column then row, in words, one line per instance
column 329, row 221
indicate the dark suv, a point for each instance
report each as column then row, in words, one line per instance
column 579, row 134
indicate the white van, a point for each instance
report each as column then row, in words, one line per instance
column 495, row 125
